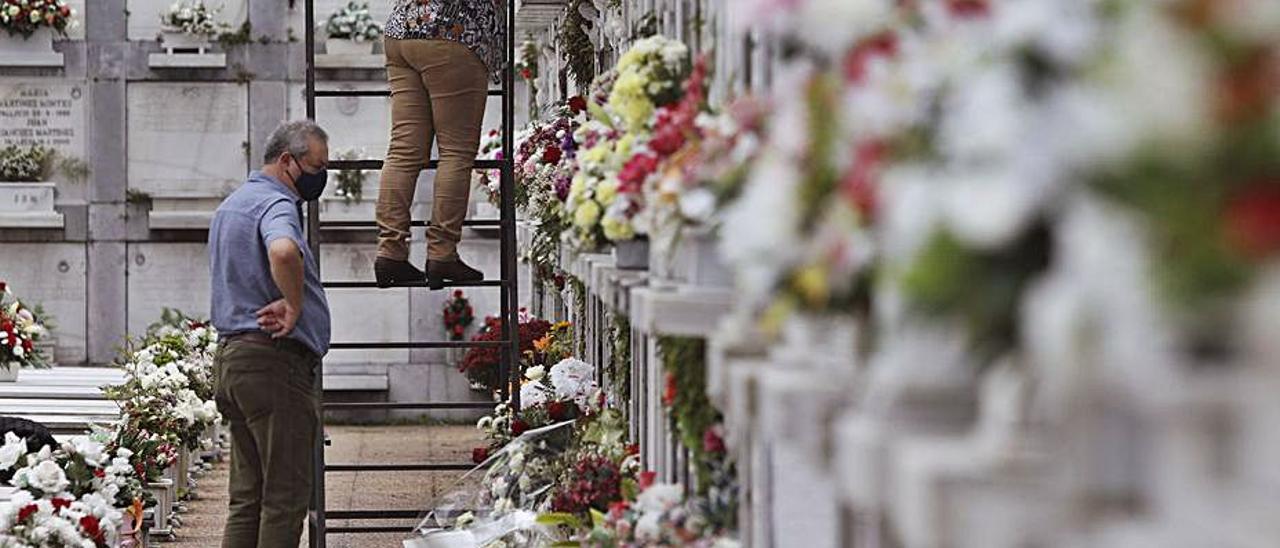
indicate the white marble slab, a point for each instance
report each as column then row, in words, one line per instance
column 172, row 275
column 187, row 140
column 52, row 275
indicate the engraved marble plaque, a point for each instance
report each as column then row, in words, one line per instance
column 51, row 114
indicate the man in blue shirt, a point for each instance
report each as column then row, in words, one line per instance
column 271, row 312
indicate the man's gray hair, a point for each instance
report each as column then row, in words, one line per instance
column 294, row 138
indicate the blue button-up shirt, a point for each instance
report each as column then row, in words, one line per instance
column 261, row 211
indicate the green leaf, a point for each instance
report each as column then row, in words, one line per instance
column 560, row 518
column 597, row 518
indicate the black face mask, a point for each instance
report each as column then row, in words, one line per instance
column 310, row 185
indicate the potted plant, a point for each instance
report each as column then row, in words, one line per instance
column 351, row 30
column 31, row 24
column 24, row 179
column 20, row 329
column 189, row 26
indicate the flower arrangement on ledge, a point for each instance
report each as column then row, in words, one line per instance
column 21, row 327
column 353, row 22
column 24, row 17
column 26, row 164
column 192, row 18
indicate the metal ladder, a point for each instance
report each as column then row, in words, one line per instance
column 509, row 344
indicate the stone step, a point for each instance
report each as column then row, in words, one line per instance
column 357, row 382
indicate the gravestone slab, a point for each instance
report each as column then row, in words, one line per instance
column 144, row 15
column 44, row 112
column 187, row 140
column 324, row 8
column 173, row 275
column 52, row 275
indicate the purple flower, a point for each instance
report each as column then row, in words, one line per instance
column 569, row 146
column 562, row 187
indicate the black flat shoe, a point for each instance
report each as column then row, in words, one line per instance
column 389, row 272
column 439, row 272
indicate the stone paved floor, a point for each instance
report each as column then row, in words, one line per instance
column 203, row 520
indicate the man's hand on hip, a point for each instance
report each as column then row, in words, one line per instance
column 278, row 318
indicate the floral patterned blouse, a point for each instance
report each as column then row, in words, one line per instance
column 478, row 24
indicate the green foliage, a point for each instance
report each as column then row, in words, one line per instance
column 620, row 359
column 350, row 181
column 576, row 45
column 981, row 289
column 684, row 359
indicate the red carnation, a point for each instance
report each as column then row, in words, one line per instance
column 562, row 411
column 633, row 449
column 669, row 393
column 91, row 527
column 479, row 455
column 457, row 293
column 99, row 473
column 855, row 63
column 968, row 8
column 712, row 442
column 526, row 74
column 551, row 155
column 636, row 171
column 27, row 511
column 646, row 479
column 577, row 104
column 1252, row 220
column 518, row 427
column 59, row 504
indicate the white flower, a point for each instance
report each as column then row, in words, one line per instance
column 47, row 476
column 535, row 373
column 659, row 498
column 13, row 450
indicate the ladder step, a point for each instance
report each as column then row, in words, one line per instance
column 372, row 514
column 486, row 223
column 372, row 165
column 421, row 467
column 369, row 529
column 423, row 283
column 358, row 406
column 434, row 344
column 374, row 92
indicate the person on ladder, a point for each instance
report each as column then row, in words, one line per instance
column 441, row 54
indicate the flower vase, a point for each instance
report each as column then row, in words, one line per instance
column 631, row 254
column 343, row 46
column 175, row 41
column 40, row 42
column 9, row 373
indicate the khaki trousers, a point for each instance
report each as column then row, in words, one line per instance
column 438, row 92
column 266, row 392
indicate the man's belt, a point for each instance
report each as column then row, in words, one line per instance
column 286, row 344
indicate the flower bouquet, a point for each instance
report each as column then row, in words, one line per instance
column 481, row 364
column 189, row 25
column 21, row 327
column 351, row 30
column 26, row 164
column 490, row 180
column 27, row 17
column 458, row 316
column 350, row 182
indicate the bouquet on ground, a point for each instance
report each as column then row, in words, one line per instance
column 21, row 327
column 25, row 17
column 458, row 316
column 353, row 22
column 194, row 18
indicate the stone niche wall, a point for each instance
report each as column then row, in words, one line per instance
column 164, row 143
